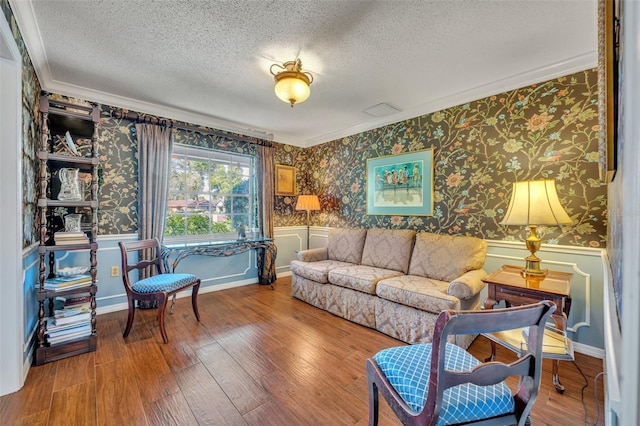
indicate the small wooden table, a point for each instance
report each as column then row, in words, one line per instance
column 508, row 284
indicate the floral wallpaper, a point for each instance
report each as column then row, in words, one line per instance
column 546, row 130
column 118, row 192
column 30, row 131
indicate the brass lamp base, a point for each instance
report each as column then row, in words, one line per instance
column 532, row 267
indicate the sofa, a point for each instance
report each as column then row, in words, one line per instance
column 395, row 281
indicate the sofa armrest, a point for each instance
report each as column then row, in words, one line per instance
column 467, row 285
column 313, row 255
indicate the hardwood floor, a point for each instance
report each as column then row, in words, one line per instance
column 258, row 357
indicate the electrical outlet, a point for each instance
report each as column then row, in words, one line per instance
column 115, row 271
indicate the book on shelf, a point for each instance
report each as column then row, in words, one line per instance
column 55, row 331
column 69, row 336
column 68, row 234
column 75, row 301
column 52, row 327
column 84, row 328
column 70, row 238
column 72, row 310
column 67, row 283
column 77, row 318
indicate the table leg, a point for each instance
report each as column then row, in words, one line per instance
column 556, row 380
column 493, row 352
column 561, row 325
column 489, row 303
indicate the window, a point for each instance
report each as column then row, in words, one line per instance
column 210, row 194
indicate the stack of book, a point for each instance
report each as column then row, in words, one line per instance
column 72, row 321
column 67, row 283
column 70, row 238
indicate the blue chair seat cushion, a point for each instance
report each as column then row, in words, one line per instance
column 164, row 282
column 407, row 369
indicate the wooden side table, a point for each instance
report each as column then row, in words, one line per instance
column 508, row 284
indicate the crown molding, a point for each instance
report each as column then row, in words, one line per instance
column 24, row 14
column 581, row 62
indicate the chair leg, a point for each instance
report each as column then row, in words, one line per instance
column 131, row 314
column 373, row 396
column 194, row 300
column 161, row 309
column 173, row 303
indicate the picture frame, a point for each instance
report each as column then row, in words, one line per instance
column 401, row 185
column 285, row 180
column 608, row 59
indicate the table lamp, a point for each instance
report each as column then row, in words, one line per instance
column 534, row 203
column 308, row 203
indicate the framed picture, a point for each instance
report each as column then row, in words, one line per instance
column 608, row 43
column 401, row 185
column 285, row 180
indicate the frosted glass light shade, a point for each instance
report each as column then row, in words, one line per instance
column 535, row 202
column 292, row 90
column 292, row 84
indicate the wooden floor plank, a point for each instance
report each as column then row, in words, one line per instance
column 207, row 400
column 154, row 377
column 75, row 370
column 117, row 394
column 257, row 357
column 244, row 345
column 112, row 346
column 239, row 386
column 39, row 418
column 34, row 396
column 74, row 405
column 170, row 410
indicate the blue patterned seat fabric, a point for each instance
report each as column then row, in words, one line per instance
column 407, row 369
column 163, row 282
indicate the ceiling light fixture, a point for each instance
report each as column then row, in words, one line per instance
column 292, row 84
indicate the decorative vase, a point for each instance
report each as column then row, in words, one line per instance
column 72, row 222
column 69, row 185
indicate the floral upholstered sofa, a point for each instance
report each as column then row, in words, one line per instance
column 394, row 281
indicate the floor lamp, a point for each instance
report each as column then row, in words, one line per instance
column 308, row 203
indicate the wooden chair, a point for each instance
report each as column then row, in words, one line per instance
column 158, row 287
column 441, row 383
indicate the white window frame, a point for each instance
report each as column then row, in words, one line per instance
column 218, row 157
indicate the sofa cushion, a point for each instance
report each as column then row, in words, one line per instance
column 360, row 277
column 345, row 245
column 446, row 257
column 418, row 292
column 388, row 248
column 316, row 271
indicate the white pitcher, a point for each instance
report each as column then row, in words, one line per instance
column 69, row 185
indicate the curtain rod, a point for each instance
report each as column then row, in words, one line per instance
column 151, row 119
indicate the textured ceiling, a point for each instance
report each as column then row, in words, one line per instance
column 207, row 62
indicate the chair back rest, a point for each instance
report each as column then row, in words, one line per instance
column 528, row 366
column 149, row 256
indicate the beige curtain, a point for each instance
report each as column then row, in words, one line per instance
column 266, row 191
column 154, row 160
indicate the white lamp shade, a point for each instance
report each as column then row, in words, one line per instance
column 292, row 90
column 308, row 202
column 535, row 202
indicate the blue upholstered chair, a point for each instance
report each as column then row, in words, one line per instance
column 158, row 287
column 442, row 384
